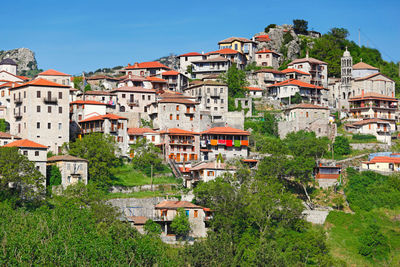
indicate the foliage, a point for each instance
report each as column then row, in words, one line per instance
column 268, row 126
column 151, row 227
column 342, row 145
column 300, row 26
column 78, row 82
column 100, row 151
column 270, row 26
column 4, row 126
column 366, row 137
column 76, row 230
column 180, row 224
column 146, row 123
column 146, row 154
column 129, row 175
column 296, row 99
column 368, row 190
column 303, row 143
column 287, row 38
column 189, row 69
column 53, row 175
column 88, row 87
column 19, row 177
column 373, row 244
column 236, row 81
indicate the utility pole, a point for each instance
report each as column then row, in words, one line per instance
column 151, row 177
column 359, row 38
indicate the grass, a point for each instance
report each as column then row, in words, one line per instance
column 125, row 175
column 144, row 194
column 344, row 230
column 352, row 154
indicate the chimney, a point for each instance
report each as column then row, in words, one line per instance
column 392, row 94
column 136, row 64
column 362, row 93
column 129, row 64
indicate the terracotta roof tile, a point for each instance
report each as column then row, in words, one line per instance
column 211, row 165
column 371, row 95
column 64, row 158
column 297, row 83
column 225, row 131
column 41, row 82
column 170, row 73
column 147, row 65
column 306, row 106
column 51, row 72
column 25, row 143
column 190, row 54
column 4, row 135
column 155, row 79
column 177, row 131
column 10, row 84
column 177, row 100
column 288, row 70
column 87, row 102
column 168, row 204
column 214, row 59
column 224, row 51
column 266, row 51
column 254, row 89
column 103, row 117
column 384, row 159
column 263, row 38
column 269, row 71
column 140, row 131
column 363, row 66
column 98, row 93
column 133, row 89
column 327, row 176
column 369, row 121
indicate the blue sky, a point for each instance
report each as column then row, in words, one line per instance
column 75, row 36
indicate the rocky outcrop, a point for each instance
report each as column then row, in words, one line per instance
column 24, row 57
column 171, row 61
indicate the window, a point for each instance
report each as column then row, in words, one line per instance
column 196, row 213
column 36, row 153
column 60, row 95
column 24, row 94
column 208, row 100
column 49, row 125
column 164, row 107
column 210, row 173
column 177, row 117
column 149, row 97
column 307, row 114
column 215, row 101
column 37, row 108
column 49, row 109
column 60, row 110
column 222, row 100
column 177, row 107
column 221, row 90
column 259, row 56
column 170, row 117
column 38, row 94
column 24, row 109
column 59, row 126
column 208, row 90
column 38, row 125
column 153, row 138
column 201, row 117
column 25, row 153
column 123, row 95
column 191, row 118
column 143, row 97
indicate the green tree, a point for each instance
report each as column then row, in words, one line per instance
column 270, row 26
column 296, row 99
column 306, row 144
column 145, row 155
column 300, row 26
column 373, row 244
column 236, row 81
column 270, row 124
column 180, row 224
column 151, row 227
column 100, row 151
column 189, row 69
column 53, row 175
column 19, row 176
column 342, row 146
column 4, row 126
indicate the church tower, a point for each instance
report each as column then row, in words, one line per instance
column 347, row 69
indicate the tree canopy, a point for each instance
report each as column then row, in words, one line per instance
column 145, row 155
column 300, row 26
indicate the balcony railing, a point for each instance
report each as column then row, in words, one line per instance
column 18, row 115
column 50, row 100
column 133, row 103
column 18, row 100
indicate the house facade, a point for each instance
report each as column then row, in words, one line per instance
column 267, row 58
column 73, row 169
column 317, row 68
column 133, row 99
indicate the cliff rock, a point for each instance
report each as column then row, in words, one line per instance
column 24, row 57
column 171, row 61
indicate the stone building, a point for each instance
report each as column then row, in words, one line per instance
column 176, row 81
column 40, row 112
column 180, row 145
column 242, row 45
column 317, row 68
column 381, row 129
column 267, row 58
column 264, row 77
column 108, row 98
column 103, row 81
column 207, row 171
column 73, row 169
column 185, row 61
column 297, row 75
column 35, row 153
column 205, row 67
column 134, row 99
column 111, row 124
column 229, row 142
column 6, row 138
column 55, row 76
column 145, row 69
column 150, row 135
column 306, row 117
column 9, row 66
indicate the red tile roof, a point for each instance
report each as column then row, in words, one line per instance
column 64, row 158
column 363, row 66
column 177, row 100
column 170, row 73
column 8, row 136
column 307, row 59
column 51, row 72
column 269, row 71
column 254, row 89
column 108, row 116
column 384, row 159
column 296, row 83
column 231, row 39
column 288, row 70
column 224, row 51
column 147, row 65
column 369, row 121
column 168, row 204
column 155, row 79
column 133, row 89
column 97, row 93
column 211, row 165
column 41, row 82
column 371, row 95
column 190, row 54
column 263, row 38
column 25, row 143
column 23, row 77
column 266, row 51
column 10, row 84
column 373, row 75
column 225, row 131
column 177, row 131
column 87, row 102
column 306, row 106
column 140, row 131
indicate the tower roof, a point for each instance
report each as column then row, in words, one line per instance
column 8, row 61
column 346, row 53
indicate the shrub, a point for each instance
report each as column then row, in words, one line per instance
column 366, row 137
column 270, row 26
column 342, row 146
column 373, row 244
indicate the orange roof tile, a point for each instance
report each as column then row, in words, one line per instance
column 211, row 165
column 108, row 116
column 41, row 82
column 170, row 73
column 226, row 131
column 190, row 54
column 297, row 83
column 178, row 100
column 168, row 204
column 147, row 65
column 224, row 51
column 140, row 131
column 288, row 70
column 65, row 158
column 25, row 143
column 10, row 84
column 51, row 72
column 133, row 89
column 177, row 131
column 327, row 176
column 306, row 106
column 155, row 79
column 266, row 51
column 87, row 102
column 254, row 89
column 371, row 95
column 269, row 71
column 23, row 77
column 384, row 159
column 363, row 66
column 8, row 136
column 369, row 121
column 263, row 38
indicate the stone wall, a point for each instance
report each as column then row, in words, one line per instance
column 376, row 146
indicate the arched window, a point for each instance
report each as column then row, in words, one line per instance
column 122, row 109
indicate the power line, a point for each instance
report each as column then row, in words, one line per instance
column 374, row 44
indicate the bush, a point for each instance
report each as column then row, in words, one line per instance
column 366, row 137
column 270, row 26
column 373, row 244
column 180, row 224
column 53, row 175
column 287, row 37
column 342, row 146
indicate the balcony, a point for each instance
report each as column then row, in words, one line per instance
column 18, row 115
column 18, row 100
column 50, row 100
column 133, row 103
column 93, row 130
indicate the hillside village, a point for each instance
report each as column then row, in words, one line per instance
column 215, row 114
